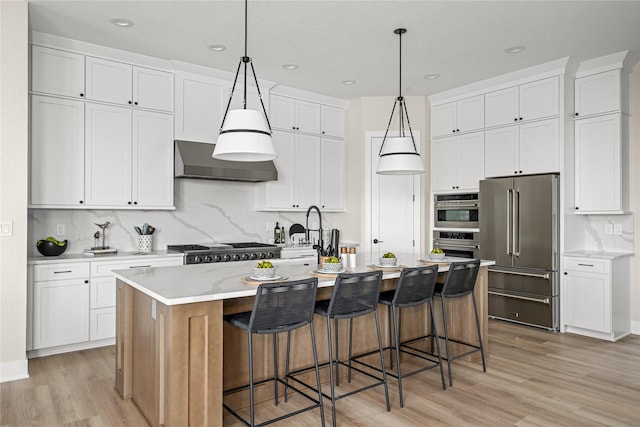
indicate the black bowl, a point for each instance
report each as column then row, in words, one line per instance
column 48, row 248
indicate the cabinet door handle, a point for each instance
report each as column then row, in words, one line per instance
column 139, row 266
column 577, row 114
column 86, row 281
column 81, row 95
column 65, row 271
column 585, row 265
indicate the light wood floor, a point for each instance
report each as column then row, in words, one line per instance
column 534, row 378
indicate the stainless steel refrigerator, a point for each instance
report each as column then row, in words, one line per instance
column 519, row 229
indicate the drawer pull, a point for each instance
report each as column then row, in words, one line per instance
column 544, row 300
column 65, row 271
column 139, row 266
column 540, row 276
column 586, row 265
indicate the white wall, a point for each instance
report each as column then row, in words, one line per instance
column 13, row 188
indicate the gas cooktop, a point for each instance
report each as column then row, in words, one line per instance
column 225, row 252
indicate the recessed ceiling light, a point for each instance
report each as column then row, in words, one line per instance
column 514, row 49
column 122, row 22
column 432, row 76
column 348, row 82
column 290, row 66
column 217, row 47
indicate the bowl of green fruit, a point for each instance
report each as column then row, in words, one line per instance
column 51, row 246
column 331, row 264
column 264, row 270
column 436, row 254
column 388, row 259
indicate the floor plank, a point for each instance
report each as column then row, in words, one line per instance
column 533, row 378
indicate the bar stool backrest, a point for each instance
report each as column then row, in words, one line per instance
column 461, row 278
column 415, row 286
column 283, row 306
column 355, row 294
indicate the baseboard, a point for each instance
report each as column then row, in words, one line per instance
column 635, row 327
column 16, row 370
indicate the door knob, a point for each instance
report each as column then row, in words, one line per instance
column 376, row 241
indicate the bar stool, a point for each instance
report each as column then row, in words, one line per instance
column 415, row 287
column 460, row 281
column 353, row 295
column 278, row 307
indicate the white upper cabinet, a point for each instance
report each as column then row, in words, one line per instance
column 125, row 84
column 294, row 115
column 200, row 104
column 57, row 151
column 333, row 174
column 333, row 119
column 598, row 93
column 57, row 72
column 532, row 101
column 529, row 148
column 456, row 162
column 460, row 116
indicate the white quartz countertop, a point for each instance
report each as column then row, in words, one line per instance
column 598, row 254
column 120, row 256
column 209, row 282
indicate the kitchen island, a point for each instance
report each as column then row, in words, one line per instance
column 172, row 343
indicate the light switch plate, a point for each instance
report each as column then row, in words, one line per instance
column 617, row 229
column 608, row 229
column 6, row 228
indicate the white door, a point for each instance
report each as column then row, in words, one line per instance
column 394, row 215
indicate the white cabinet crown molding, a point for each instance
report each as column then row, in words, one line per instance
column 625, row 60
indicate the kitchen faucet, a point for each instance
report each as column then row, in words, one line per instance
column 320, row 246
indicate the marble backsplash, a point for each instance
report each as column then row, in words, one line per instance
column 206, row 212
column 596, row 239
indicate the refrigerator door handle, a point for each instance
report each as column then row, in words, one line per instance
column 517, row 273
column 543, row 300
column 516, row 223
column 509, row 206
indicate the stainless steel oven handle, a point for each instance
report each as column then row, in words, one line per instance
column 540, row 300
column 455, row 205
column 516, row 273
column 452, row 246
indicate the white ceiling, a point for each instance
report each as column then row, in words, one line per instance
column 332, row 41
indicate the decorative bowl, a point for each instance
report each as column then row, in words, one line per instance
column 264, row 272
column 332, row 266
column 391, row 262
column 48, row 248
column 436, row 257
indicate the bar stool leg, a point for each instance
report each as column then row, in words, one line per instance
column 275, row 368
column 331, row 379
column 251, row 401
column 433, row 321
column 315, row 362
column 335, row 321
column 350, row 349
column 475, row 310
column 396, row 328
column 446, row 340
column 384, row 372
column 286, row 374
column 391, row 339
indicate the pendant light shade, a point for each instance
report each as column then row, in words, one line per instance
column 399, row 155
column 245, row 134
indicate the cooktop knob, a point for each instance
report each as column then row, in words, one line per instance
column 197, row 259
column 254, row 256
column 217, row 258
column 208, row 258
column 245, row 256
column 263, row 255
column 236, row 257
column 226, row 258
column 271, row 255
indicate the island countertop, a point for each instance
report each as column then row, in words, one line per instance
column 219, row 281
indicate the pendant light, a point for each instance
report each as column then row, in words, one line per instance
column 399, row 155
column 245, row 135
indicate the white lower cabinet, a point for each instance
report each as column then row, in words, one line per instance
column 596, row 296
column 73, row 305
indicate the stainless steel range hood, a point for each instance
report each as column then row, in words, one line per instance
column 193, row 160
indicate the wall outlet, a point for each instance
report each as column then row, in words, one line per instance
column 617, row 229
column 61, row 230
column 608, row 229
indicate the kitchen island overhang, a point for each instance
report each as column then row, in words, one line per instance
column 175, row 356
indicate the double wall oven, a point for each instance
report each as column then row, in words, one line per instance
column 456, row 221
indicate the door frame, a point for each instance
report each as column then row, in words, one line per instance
column 417, row 185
